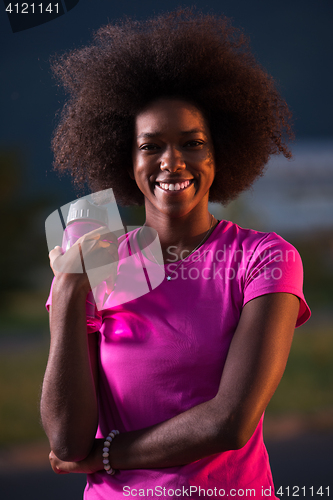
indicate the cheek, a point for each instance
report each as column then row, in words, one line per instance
column 136, row 169
column 138, row 165
column 209, row 165
column 141, row 175
column 211, row 158
column 211, row 170
column 143, row 167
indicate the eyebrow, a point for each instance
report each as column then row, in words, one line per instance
column 152, row 135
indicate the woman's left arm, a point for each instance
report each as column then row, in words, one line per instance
column 254, row 366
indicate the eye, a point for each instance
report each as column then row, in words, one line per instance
column 194, row 143
column 148, row 147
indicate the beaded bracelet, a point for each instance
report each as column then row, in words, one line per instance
column 106, row 452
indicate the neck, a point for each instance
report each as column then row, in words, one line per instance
column 180, row 236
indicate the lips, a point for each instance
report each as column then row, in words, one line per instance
column 174, row 186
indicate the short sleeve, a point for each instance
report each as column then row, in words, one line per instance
column 276, row 266
column 94, row 319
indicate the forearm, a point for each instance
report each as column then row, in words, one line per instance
column 69, row 404
column 190, row 436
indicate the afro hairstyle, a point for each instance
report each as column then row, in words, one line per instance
column 184, row 54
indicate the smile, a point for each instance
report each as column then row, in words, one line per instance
column 178, row 186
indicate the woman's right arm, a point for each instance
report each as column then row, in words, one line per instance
column 69, row 407
column 69, row 402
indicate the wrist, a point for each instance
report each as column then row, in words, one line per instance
column 106, row 452
column 97, row 455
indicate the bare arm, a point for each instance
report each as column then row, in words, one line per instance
column 69, row 407
column 69, row 402
column 255, row 363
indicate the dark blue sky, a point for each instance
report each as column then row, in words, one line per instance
column 293, row 40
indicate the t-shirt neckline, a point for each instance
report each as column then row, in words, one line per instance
column 188, row 259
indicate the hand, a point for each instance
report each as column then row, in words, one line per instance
column 93, row 259
column 91, row 464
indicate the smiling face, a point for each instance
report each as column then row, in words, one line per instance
column 173, row 158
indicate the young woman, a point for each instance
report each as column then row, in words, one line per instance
column 172, row 113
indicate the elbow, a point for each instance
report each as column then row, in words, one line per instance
column 68, row 443
column 234, row 435
column 68, row 455
column 69, row 450
column 62, row 453
column 238, row 440
column 232, row 441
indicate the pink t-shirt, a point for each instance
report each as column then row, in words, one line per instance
column 164, row 352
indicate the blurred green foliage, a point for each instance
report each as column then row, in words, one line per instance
column 316, row 250
column 21, row 375
column 307, row 384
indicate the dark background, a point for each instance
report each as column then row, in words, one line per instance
column 293, row 40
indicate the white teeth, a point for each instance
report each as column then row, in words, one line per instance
column 174, row 187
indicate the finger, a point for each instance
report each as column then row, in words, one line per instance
column 57, row 464
column 105, row 244
column 99, row 255
column 55, row 252
column 53, row 256
column 102, row 233
column 59, row 471
column 66, row 262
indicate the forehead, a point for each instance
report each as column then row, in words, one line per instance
column 170, row 114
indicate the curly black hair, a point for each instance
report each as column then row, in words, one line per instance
column 199, row 58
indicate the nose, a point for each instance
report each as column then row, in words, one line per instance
column 172, row 160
